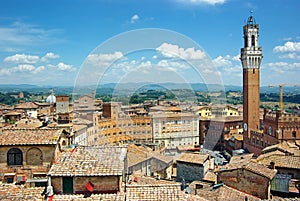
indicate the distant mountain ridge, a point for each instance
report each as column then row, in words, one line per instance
column 143, row 86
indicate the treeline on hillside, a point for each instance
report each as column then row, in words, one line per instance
column 273, row 97
column 7, row 99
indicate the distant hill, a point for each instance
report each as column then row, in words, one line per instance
column 129, row 88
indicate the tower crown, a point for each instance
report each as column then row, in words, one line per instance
column 251, row 20
column 251, row 53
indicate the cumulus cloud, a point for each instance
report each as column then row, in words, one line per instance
column 173, row 51
column 49, row 56
column 134, row 18
column 22, row 58
column 222, row 61
column 103, row 60
column 65, row 67
column 203, row 2
column 20, row 68
column 288, row 47
column 282, row 67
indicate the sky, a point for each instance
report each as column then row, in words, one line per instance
column 75, row 42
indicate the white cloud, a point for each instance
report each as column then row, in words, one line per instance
column 288, row 47
column 236, row 57
column 22, row 58
column 173, row 51
column 39, row 69
column 282, row 67
column 48, row 56
column 198, row 2
column 222, row 61
column 65, row 67
column 290, row 56
column 134, row 18
column 17, row 69
column 103, row 60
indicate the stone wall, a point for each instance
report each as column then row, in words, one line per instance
column 189, row 171
column 35, row 159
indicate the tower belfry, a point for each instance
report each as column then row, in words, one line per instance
column 251, row 55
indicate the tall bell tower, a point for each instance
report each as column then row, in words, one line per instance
column 251, row 55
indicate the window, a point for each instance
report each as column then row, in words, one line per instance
column 294, row 134
column 14, row 157
column 252, row 40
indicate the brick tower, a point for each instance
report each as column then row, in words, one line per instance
column 251, row 56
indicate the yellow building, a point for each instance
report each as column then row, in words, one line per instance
column 117, row 127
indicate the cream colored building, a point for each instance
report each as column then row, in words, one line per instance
column 175, row 129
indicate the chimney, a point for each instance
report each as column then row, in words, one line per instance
column 272, row 165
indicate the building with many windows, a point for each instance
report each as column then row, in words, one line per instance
column 117, row 127
column 175, row 129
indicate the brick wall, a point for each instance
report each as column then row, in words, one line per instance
column 246, row 181
column 108, row 184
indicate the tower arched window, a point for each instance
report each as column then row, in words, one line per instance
column 252, row 40
column 14, row 157
column 294, row 134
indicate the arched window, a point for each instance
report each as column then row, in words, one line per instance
column 34, row 156
column 14, row 157
column 294, row 134
column 252, row 40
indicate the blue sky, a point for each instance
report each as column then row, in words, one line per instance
column 58, row 42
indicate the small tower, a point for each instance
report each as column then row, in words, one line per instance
column 251, row 55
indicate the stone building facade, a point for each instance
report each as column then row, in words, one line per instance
column 27, row 154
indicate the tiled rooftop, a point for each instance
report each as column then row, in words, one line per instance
column 29, row 136
column 281, row 161
column 137, row 154
column 197, row 158
column 80, row 197
column 260, row 169
column 11, row 192
column 225, row 193
column 159, row 192
column 27, row 105
column 90, row 161
column 285, row 147
column 251, row 166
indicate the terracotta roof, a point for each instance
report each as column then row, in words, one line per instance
column 225, row 193
column 158, row 192
column 12, row 113
column 281, row 161
column 81, row 121
column 90, row 161
column 286, row 147
column 250, row 166
column 27, row 105
column 29, row 136
column 80, row 197
column 210, row 176
column 10, row 192
column 137, row 154
column 28, row 123
column 260, row 169
column 197, row 158
column 241, row 158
